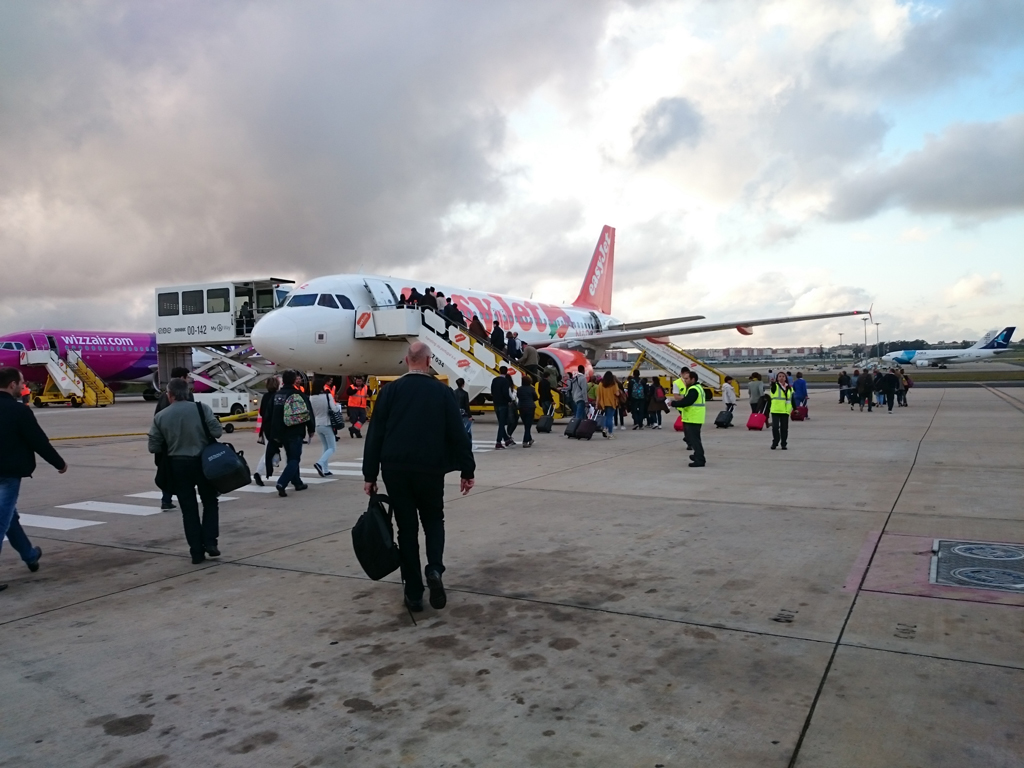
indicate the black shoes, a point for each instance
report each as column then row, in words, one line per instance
column 438, row 598
column 167, row 505
column 784, row 448
column 281, row 492
column 213, row 551
column 416, row 606
column 197, row 559
column 34, row 565
column 301, row 486
column 3, row 587
column 774, row 446
column 319, row 469
column 257, row 479
column 695, row 464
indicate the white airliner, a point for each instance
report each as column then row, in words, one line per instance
column 991, row 344
column 316, row 329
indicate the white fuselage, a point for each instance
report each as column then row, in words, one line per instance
column 926, row 357
column 321, row 337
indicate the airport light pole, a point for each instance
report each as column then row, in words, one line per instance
column 865, row 335
column 878, row 345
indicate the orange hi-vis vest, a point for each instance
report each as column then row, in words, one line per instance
column 358, row 400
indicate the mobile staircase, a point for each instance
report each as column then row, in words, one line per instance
column 67, row 382
column 454, row 352
column 672, row 359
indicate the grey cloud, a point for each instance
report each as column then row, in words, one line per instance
column 972, row 170
column 145, row 143
column 805, row 126
column 670, row 123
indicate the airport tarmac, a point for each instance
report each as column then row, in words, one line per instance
column 607, row 606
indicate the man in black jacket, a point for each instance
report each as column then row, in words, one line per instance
column 501, row 398
column 415, row 437
column 22, row 439
column 288, row 429
column 890, row 383
column 498, row 337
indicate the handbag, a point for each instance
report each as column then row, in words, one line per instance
column 334, row 417
column 223, row 466
column 373, row 539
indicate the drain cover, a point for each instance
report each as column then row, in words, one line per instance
column 978, row 564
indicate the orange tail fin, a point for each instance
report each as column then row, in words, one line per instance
column 596, row 292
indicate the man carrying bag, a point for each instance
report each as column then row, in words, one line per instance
column 180, row 433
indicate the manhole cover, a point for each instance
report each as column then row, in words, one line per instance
column 978, row 565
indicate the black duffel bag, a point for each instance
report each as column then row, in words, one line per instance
column 373, row 539
column 223, row 466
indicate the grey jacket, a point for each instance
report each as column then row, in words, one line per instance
column 756, row 389
column 177, row 430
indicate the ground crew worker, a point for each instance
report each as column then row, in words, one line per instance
column 22, row 439
column 357, row 393
column 691, row 409
column 679, row 389
column 416, row 436
column 781, row 395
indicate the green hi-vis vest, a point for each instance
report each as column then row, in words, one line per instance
column 694, row 414
column 681, row 386
column 782, row 399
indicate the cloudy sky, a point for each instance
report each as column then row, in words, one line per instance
column 756, row 158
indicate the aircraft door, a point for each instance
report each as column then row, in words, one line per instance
column 40, row 342
column 383, row 295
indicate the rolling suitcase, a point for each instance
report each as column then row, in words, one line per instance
column 799, row 413
column 585, row 430
column 756, row 421
column 723, row 420
column 545, row 422
column 571, row 427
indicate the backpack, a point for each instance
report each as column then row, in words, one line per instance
column 636, row 389
column 910, row 382
column 295, row 411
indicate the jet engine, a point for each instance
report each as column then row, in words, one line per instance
column 565, row 360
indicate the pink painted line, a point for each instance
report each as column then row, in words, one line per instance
column 860, row 565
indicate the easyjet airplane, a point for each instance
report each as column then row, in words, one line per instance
column 314, row 330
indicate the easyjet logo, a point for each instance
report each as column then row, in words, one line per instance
column 602, row 258
column 459, row 337
column 363, row 319
column 463, row 363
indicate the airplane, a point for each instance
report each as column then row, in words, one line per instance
column 117, row 357
column 990, row 345
column 315, row 328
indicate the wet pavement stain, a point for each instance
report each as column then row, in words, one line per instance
column 149, row 762
column 132, row 725
column 563, row 643
column 390, row 669
column 253, row 742
column 297, row 701
column 359, row 705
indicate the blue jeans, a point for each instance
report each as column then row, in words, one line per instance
column 581, row 409
column 609, row 418
column 329, row 442
column 293, row 452
column 9, row 524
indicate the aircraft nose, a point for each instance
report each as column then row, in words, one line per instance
column 275, row 337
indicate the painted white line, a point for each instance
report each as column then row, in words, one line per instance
column 256, row 489
column 346, row 463
column 112, row 508
column 350, row 472
column 317, row 480
column 55, row 523
column 158, row 495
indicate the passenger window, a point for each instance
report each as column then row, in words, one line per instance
column 192, row 302
column 167, row 304
column 345, row 301
column 218, row 300
column 326, row 300
column 302, row 300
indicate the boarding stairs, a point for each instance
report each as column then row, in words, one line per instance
column 454, row 352
column 62, row 385
column 94, row 391
column 672, row 359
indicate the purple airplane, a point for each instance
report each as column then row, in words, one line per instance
column 118, row 358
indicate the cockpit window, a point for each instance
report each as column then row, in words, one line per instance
column 302, row 300
column 14, row 346
column 326, row 300
column 345, row 301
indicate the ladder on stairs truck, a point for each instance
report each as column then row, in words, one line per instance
column 672, row 360
column 68, row 382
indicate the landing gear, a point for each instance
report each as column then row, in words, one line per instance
column 150, row 395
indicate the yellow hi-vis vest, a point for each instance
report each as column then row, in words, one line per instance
column 679, row 386
column 694, row 414
column 782, row 399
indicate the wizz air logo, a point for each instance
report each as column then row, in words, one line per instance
column 602, row 258
column 99, row 341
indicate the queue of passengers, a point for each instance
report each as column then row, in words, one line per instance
column 889, row 388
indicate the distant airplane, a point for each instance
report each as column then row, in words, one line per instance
column 324, row 326
column 117, row 357
column 991, row 344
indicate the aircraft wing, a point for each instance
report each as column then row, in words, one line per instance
column 653, row 323
column 607, row 338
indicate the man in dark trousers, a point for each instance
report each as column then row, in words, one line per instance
column 163, row 475
column 22, row 439
column 415, row 437
column 692, row 412
column 498, row 337
column 178, row 433
column 292, row 421
column 865, row 385
column 890, row 383
column 501, row 398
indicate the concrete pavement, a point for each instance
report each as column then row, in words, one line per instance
column 607, row 606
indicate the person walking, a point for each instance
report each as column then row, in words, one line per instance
column 907, row 384
column 865, row 387
column 656, row 403
column 501, row 398
column 608, row 402
column 755, row 391
column 265, row 466
column 529, row 360
column 162, row 474
column 291, row 422
column 578, row 392
column 462, row 400
column 547, row 400
column 637, row 401
column 901, row 388
column 844, row 387
column 729, row 394
column 692, row 410
column 180, row 432
column 476, row 329
column 23, row 438
column 498, row 337
column 357, row 394
column 890, row 383
column 322, row 404
column 799, row 390
column 527, row 397
column 415, row 438
column 781, row 394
